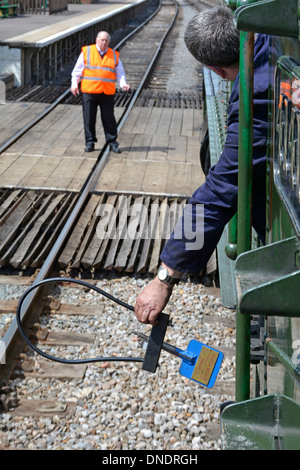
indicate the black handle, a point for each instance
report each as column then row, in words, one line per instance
column 155, row 343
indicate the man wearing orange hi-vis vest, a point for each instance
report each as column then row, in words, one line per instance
column 97, row 69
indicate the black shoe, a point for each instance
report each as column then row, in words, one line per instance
column 114, row 147
column 89, row 148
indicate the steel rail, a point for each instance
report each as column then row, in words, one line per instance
column 32, row 123
column 13, row 331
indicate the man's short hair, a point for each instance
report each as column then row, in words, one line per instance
column 108, row 35
column 212, row 37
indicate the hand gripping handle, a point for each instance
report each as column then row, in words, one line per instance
column 155, row 343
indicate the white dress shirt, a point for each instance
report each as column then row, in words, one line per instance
column 79, row 66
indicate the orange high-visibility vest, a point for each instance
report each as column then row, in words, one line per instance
column 99, row 75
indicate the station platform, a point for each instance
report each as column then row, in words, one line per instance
column 40, row 29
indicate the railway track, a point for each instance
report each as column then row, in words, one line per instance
column 35, row 245
column 32, row 228
column 33, row 206
column 104, row 404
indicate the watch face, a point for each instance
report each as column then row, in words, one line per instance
column 162, row 275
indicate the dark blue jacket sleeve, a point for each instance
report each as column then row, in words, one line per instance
column 198, row 232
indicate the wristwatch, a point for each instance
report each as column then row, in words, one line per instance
column 164, row 276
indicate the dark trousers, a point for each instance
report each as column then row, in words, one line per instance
column 90, row 103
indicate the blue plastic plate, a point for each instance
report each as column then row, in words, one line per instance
column 205, row 368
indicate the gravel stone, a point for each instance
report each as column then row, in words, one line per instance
column 118, row 405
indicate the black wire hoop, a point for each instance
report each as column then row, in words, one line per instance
column 71, row 361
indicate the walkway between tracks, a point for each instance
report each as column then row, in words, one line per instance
column 160, row 151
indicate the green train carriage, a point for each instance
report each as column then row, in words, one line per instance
column 265, row 280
